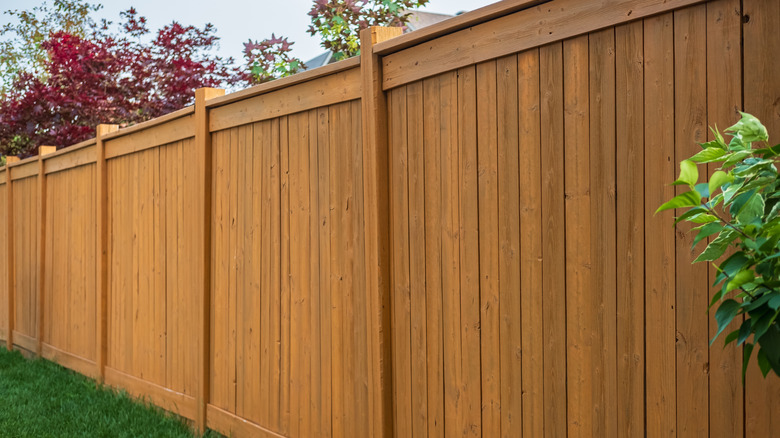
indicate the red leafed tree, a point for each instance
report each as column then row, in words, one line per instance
column 107, row 77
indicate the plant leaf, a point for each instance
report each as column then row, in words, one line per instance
column 724, row 315
column 744, row 331
column 763, row 362
column 689, row 174
column 709, row 155
column 718, row 179
column 687, row 199
column 742, row 277
column 746, row 358
column 717, row 247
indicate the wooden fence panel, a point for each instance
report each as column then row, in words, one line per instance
column 151, row 306
column 25, row 229
column 3, row 259
column 625, row 348
column 532, row 289
column 70, row 313
column 303, row 318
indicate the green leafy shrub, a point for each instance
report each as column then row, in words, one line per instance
column 739, row 208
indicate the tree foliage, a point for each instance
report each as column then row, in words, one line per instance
column 88, row 73
column 738, row 208
column 267, row 60
column 339, row 22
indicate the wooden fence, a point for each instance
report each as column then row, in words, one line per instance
column 451, row 235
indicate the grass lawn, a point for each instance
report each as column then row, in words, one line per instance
column 41, row 399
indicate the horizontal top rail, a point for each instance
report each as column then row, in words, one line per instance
column 288, row 81
column 459, row 22
column 553, row 21
column 151, row 123
column 70, row 149
column 23, row 162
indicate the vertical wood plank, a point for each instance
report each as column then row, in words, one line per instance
column 529, row 179
column 584, row 404
column 10, row 255
column 450, row 255
column 101, row 249
column 470, row 385
column 603, row 228
column 553, row 240
column 416, row 182
column 41, row 262
column 724, row 100
column 324, row 227
column 489, row 301
column 660, row 362
column 690, row 101
column 202, row 247
column 629, row 112
column 433, row 259
column 376, row 218
column 510, row 294
column 401, row 308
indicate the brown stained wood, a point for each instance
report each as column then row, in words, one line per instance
column 377, row 230
column 585, row 408
column 528, row 184
column 324, row 227
column 470, row 383
column 488, row 204
column 232, row 425
column 327, row 90
column 315, row 294
column 340, row 396
column 175, row 402
column 509, row 379
column 417, row 272
column 9, row 255
column 26, row 170
column 660, row 365
column 41, row 195
column 690, row 65
column 285, row 294
column 513, row 33
column 724, row 99
column 450, row 254
column 401, row 305
column 79, row 157
column 202, row 202
column 601, row 72
column 454, row 24
column 101, row 247
column 629, row 119
column 433, row 257
column 3, row 259
column 152, row 137
column 285, row 82
column 553, row 239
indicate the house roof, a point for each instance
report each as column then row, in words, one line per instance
column 417, row 20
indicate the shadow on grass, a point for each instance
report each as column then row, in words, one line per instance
column 39, row 398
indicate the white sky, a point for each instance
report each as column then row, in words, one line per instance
column 237, row 20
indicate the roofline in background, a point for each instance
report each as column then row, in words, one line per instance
column 458, row 22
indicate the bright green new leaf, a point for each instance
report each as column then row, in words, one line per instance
column 749, row 129
column 718, row 179
column 689, row 174
column 687, row 199
column 709, row 155
column 742, row 277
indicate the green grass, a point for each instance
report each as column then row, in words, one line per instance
column 41, row 399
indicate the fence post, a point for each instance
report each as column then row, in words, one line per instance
column 42, row 150
column 202, row 246
column 11, row 277
column 101, row 252
column 376, row 215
